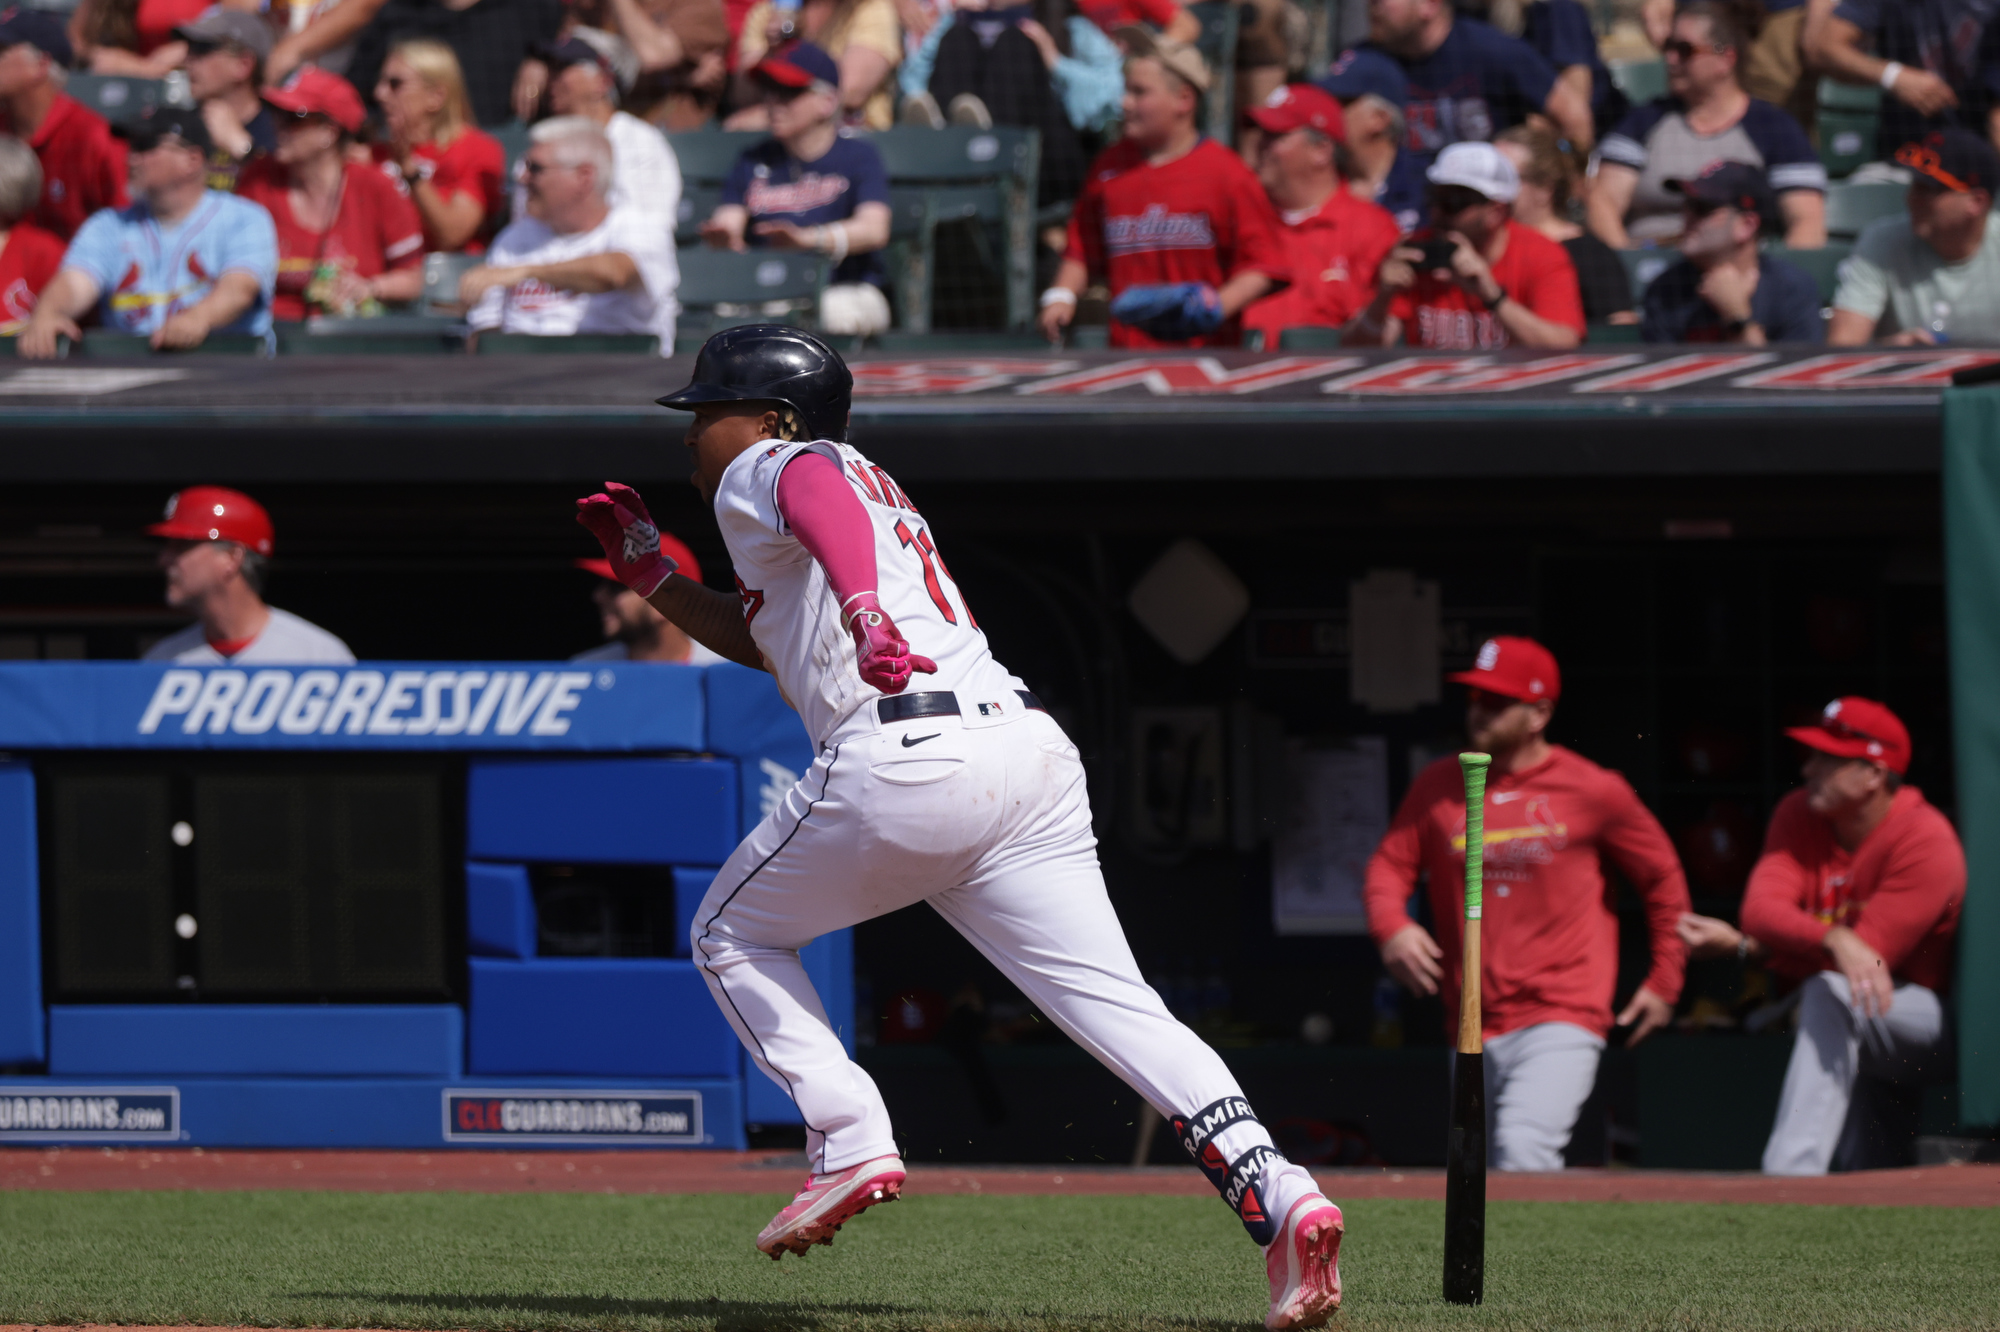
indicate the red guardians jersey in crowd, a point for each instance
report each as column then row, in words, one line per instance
column 1202, row 217
column 1335, row 250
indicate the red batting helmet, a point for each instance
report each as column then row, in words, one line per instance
column 215, row 513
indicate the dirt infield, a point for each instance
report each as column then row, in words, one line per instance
column 109, row 1169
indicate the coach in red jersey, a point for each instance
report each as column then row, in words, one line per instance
column 1475, row 280
column 1857, row 895
column 83, row 166
column 1172, row 221
column 1550, row 939
column 1334, row 241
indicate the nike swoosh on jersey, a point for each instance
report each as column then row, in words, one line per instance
column 907, row 741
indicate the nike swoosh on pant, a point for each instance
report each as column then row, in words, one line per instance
column 907, row 741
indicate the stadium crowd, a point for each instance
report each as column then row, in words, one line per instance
column 1468, row 178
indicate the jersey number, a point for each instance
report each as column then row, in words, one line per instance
column 920, row 541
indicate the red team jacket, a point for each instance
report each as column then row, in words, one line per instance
column 1548, row 938
column 1900, row 890
column 29, row 259
column 1533, row 270
column 1334, row 252
column 1202, row 217
column 83, row 166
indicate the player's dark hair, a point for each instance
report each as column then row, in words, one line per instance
column 1892, row 780
column 255, row 568
column 1732, row 24
column 790, row 426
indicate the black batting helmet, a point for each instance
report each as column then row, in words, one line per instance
column 772, row 363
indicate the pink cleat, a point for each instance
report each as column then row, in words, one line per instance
column 1304, row 1265
column 828, row 1202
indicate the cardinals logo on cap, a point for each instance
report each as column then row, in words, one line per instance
column 1489, row 655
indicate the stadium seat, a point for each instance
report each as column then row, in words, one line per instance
column 982, row 177
column 571, row 344
column 705, row 155
column 1642, row 266
column 392, row 334
column 513, row 137
column 1823, row 264
column 98, row 344
column 1849, row 117
column 1851, row 207
column 442, row 271
column 1221, row 20
column 699, row 200
column 1601, row 335
column 1308, row 339
column 1640, row 80
column 721, row 288
column 118, row 99
column 955, row 343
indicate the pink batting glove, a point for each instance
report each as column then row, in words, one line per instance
column 617, row 517
column 882, row 654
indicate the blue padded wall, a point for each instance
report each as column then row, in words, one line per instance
column 313, row 1040
column 499, row 911
column 690, row 886
column 22, row 1024
column 615, row 1017
column 613, row 811
column 748, row 718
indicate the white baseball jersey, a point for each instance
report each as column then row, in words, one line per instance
column 286, row 640
column 794, row 615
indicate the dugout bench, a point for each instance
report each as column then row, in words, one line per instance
column 387, row 905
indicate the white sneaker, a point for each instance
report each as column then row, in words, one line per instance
column 921, row 110
column 970, row 111
column 828, row 1202
column 1303, row 1264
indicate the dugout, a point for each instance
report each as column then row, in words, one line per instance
column 1714, row 543
column 386, row 905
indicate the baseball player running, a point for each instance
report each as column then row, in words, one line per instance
column 960, row 792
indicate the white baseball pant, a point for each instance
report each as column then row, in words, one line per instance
column 1835, row 1045
column 990, row 824
column 1537, row 1079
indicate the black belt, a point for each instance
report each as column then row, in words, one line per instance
column 943, row 703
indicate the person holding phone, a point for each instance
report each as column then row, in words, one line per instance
column 1475, row 279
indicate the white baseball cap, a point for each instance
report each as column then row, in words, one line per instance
column 1477, row 166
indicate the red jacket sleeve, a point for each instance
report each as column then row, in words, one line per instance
column 1922, row 878
column 1774, row 902
column 1260, row 241
column 1639, row 847
column 1393, row 869
column 402, row 227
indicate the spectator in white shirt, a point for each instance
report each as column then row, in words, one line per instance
column 575, row 264
column 644, row 171
column 217, row 544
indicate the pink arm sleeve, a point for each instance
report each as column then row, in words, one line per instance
column 826, row 515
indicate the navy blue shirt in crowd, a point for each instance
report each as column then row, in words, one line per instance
column 776, row 187
column 1957, row 40
column 1478, row 82
column 1561, row 34
column 1785, row 305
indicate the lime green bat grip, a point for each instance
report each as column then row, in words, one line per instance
column 1474, row 767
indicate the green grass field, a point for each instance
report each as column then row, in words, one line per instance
column 1017, row 1264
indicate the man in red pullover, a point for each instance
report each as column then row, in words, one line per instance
column 1857, row 895
column 1550, row 939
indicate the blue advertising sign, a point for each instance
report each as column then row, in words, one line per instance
column 374, row 706
column 92, row 1114
column 542, row 1115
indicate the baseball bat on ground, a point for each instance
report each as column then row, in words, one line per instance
column 1465, row 1151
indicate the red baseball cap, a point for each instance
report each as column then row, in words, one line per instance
column 1300, row 106
column 1513, row 667
column 313, row 91
column 1855, row 727
column 215, row 513
column 671, row 546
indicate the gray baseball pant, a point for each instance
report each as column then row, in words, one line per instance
column 1836, row 1045
column 1537, row 1079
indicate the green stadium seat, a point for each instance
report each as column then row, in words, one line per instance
column 1220, row 20
column 1089, row 337
column 705, row 155
column 513, row 137
column 98, row 344
column 1851, row 207
column 575, row 344
column 1640, row 80
column 1611, row 335
column 1823, row 264
column 699, row 200
column 956, row 344
column 984, row 178
column 1642, row 266
column 1848, row 120
column 118, row 99
column 442, row 271
column 1308, row 339
column 722, row 288
column 385, row 335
